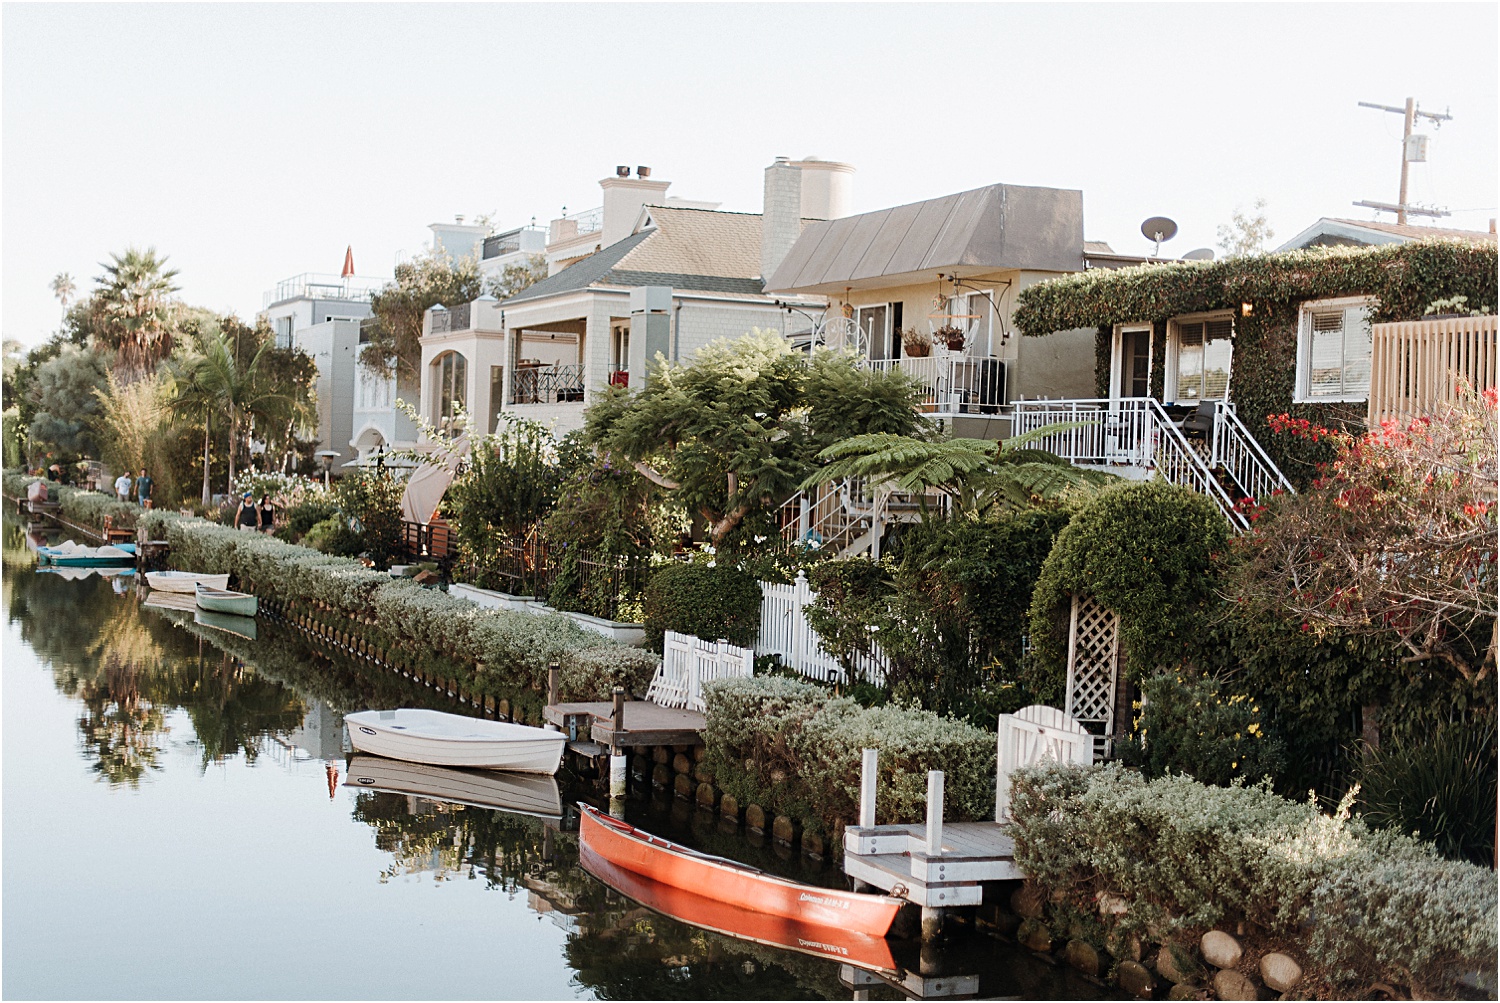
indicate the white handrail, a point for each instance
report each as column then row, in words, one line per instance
column 1241, row 454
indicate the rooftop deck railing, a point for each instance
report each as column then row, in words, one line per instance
column 311, row 285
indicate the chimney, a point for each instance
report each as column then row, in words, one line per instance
column 1492, row 224
column 623, row 198
column 781, row 214
column 827, row 188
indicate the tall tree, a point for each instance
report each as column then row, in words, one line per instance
column 62, row 403
column 64, row 288
column 131, row 417
column 136, row 294
column 1246, row 234
column 519, row 277
column 395, row 334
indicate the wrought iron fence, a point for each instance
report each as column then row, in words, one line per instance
column 548, row 384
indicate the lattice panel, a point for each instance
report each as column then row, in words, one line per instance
column 1093, row 649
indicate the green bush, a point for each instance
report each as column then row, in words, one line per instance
column 711, row 601
column 371, row 501
column 1190, row 724
column 1185, row 856
column 593, row 673
column 306, row 514
column 1441, row 789
column 794, row 749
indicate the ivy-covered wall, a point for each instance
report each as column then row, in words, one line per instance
column 1403, row 279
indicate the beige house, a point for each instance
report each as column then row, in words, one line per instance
column 929, row 288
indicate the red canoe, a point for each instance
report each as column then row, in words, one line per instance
column 732, row 883
column 730, row 920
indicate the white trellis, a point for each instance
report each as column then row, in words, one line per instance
column 688, row 662
column 1030, row 735
column 1093, row 664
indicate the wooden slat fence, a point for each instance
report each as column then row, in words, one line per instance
column 784, row 631
column 1417, row 366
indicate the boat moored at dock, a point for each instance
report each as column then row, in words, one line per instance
column 441, row 739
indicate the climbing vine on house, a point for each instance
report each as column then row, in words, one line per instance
column 1404, row 280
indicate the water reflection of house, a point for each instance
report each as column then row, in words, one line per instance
column 321, row 735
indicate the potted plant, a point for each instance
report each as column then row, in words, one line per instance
column 916, row 344
column 951, row 337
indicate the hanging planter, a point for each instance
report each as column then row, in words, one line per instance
column 915, row 344
column 950, row 337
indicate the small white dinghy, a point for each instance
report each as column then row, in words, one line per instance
column 184, row 581
column 431, row 736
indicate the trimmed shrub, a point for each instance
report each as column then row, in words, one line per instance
column 1186, row 857
column 593, row 673
column 710, row 601
column 794, row 749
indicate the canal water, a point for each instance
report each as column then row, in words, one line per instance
column 177, row 823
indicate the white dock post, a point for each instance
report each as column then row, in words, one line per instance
column 867, row 788
column 934, row 812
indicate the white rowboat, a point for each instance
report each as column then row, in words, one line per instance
column 431, row 736
column 184, row 581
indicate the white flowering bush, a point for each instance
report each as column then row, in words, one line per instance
column 519, row 646
column 796, row 750
column 285, row 490
column 1366, row 905
column 593, row 673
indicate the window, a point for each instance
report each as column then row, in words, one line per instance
column 283, row 332
column 1333, row 351
column 1133, row 361
column 974, row 313
column 452, row 373
column 873, row 321
column 1201, row 349
column 497, row 393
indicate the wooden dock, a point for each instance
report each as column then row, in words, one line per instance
column 896, row 859
column 645, row 724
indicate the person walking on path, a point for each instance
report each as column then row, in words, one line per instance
column 143, row 489
column 246, row 516
column 267, row 514
column 122, row 487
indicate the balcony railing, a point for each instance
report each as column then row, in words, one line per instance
column 311, row 285
column 547, row 384
column 956, row 384
column 454, row 318
column 494, row 247
column 576, row 225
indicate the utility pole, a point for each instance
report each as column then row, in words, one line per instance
column 1413, row 150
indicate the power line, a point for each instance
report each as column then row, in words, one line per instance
column 1413, row 151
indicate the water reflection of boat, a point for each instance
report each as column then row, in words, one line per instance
column 745, row 887
column 525, row 793
column 240, row 626
column 732, row 920
column 74, row 574
column 440, row 739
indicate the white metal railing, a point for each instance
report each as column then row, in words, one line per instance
column 327, row 287
column 832, row 515
column 1234, row 450
column 688, row 662
column 956, row 383
column 1130, row 430
column 785, row 631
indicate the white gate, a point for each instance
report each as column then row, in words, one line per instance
column 688, row 662
column 784, row 631
column 1093, row 666
column 1030, row 735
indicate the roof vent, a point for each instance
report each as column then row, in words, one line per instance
column 643, row 172
column 622, row 171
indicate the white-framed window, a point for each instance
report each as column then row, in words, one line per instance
column 1131, row 375
column 1200, row 349
column 283, row 332
column 452, row 373
column 975, row 313
column 875, row 322
column 1333, row 350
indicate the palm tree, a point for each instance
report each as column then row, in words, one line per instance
column 64, row 289
column 138, row 308
column 213, row 383
column 977, row 475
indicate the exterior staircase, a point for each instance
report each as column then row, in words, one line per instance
column 846, row 515
column 1225, row 463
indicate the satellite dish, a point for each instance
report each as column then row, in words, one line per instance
column 1158, row 229
column 1201, row 254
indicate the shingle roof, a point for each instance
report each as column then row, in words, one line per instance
column 1417, row 232
column 999, row 226
column 1328, row 231
column 703, row 250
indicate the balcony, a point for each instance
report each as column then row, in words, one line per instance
column 454, row 318
column 311, row 285
column 551, row 384
column 955, row 384
column 576, row 225
column 494, row 247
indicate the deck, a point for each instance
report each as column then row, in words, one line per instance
column 895, row 859
column 646, row 723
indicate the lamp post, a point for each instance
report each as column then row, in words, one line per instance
column 327, row 456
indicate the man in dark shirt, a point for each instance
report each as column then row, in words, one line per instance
column 143, row 489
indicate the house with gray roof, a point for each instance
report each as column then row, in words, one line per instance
column 662, row 277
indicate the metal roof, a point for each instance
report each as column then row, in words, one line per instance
column 996, row 227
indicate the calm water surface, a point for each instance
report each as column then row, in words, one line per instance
column 171, row 831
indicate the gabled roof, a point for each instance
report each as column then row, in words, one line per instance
column 703, row 250
column 996, row 227
column 1329, row 232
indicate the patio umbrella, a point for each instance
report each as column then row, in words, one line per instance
column 425, row 487
column 348, row 271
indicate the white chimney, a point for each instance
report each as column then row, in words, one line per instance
column 623, row 198
column 827, row 188
column 781, row 214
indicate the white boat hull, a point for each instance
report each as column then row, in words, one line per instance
column 439, row 739
column 524, row 793
column 184, row 581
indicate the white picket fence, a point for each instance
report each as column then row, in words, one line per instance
column 784, row 631
column 688, row 662
column 1030, row 735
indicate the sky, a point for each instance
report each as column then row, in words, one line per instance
column 251, row 143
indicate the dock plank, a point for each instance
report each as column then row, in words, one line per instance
column 646, row 723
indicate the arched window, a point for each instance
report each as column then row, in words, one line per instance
column 451, row 370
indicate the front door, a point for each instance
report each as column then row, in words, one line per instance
column 1135, row 363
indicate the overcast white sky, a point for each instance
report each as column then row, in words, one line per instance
column 254, row 142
